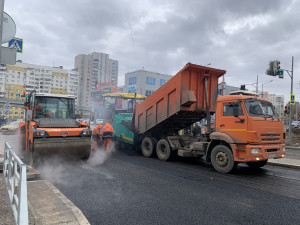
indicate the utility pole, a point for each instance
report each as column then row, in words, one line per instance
column 291, row 106
column 296, row 112
column 1, row 25
column 257, row 84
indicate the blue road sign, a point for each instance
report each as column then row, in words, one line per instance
column 17, row 44
column 18, row 95
column 7, row 107
column 292, row 99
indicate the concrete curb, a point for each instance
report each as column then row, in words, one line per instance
column 77, row 212
column 292, row 147
column 283, row 165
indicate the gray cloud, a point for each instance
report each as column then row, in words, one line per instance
column 162, row 36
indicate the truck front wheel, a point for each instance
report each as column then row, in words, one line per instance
column 148, row 147
column 222, row 159
column 257, row 164
column 163, row 150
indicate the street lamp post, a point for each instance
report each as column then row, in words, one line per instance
column 255, row 84
column 262, row 88
column 291, row 106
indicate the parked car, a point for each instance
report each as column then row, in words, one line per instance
column 3, row 122
column 296, row 124
column 11, row 128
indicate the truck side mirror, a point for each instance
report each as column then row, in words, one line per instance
column 28, row 115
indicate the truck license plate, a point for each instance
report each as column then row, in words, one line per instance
column 272, row 156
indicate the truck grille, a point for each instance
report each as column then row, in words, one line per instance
column 270, row 137
column 272, row 150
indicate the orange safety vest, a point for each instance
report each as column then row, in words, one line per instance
column 97, row 129
column 107, row 130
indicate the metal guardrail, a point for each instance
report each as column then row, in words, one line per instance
column 14, row 174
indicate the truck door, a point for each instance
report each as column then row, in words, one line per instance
column 231, row 124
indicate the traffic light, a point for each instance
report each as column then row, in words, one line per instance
column 286, row 110
column 277, row 65
column 280, row 73
column 270, row 71
column 277, row 70
column 24, row 94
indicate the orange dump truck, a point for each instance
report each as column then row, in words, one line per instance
column 50, row 128
column 246, row 127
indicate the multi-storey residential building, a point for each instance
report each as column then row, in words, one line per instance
column 278, row 102
column 96, row 73
column 144, row 82
column 15, row 79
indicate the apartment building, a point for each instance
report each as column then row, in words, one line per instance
column 15, row 79
column 144, row 82
column 97, row 73
column 278, row 102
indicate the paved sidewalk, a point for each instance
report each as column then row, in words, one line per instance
column 285, row 162
column 49, row 206
column 46, row 204
column 292, row 159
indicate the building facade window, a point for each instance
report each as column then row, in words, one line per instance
column 148, row 93
column 162, row 82
column 132, row 80
column 150, row 81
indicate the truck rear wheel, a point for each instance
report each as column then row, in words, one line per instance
column 163, row 150
column 148, row 147
column 222, row 159
column 257, row 164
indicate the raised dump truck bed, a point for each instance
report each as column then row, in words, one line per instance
column 180, row 102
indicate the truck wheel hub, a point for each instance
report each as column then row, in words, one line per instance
column 221, row 159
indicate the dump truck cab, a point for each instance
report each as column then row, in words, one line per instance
column 250, row 125
column 51, row 127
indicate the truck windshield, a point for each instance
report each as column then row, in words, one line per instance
column 52, row 107
column 258, row 108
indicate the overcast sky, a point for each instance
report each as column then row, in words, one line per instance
column 239, row 36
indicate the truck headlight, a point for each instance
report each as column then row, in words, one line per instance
column 40, row 133
column 255, row 150
column 85, row 132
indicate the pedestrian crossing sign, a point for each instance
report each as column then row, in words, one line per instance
column 7, row 107
column 292, row 99
column 17, row 44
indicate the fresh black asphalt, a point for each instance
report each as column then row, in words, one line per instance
column 131, row 189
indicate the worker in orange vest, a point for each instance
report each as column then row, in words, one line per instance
column 107, row 133
column 96, row 135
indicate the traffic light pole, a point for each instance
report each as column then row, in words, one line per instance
column 1, row 24
column 291, row 106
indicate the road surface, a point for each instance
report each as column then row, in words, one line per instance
column 130, row 189
column 126, row 188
